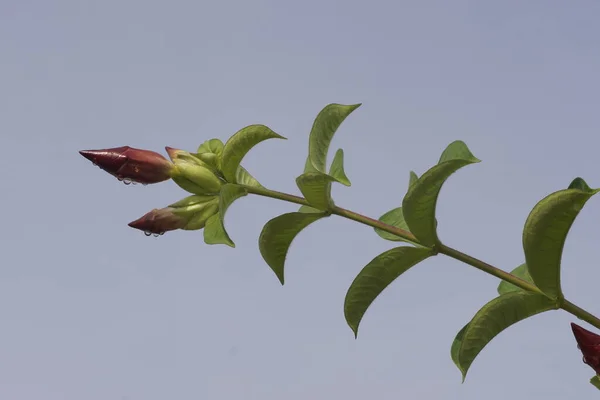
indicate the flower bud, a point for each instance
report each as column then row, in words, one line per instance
column 589, row 344
column 190, row 213
column 130, row 164
column 192, row 174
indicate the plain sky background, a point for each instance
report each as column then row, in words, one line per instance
column 92, row 309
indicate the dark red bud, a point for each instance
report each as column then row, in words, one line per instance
column 589, row 344
column 128, row 163
column 159, row 221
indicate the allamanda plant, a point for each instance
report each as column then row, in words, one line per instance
column 214, row 177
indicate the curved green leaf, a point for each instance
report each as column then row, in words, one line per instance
column 277, row 236
column 323, row 129
column 595, row 381
column 456, row 345
column 308, row 209
column 337, row 168
column 394, row 218
column 308, row 167
column 545, row 233
column 211, row 146
column 375, row 277
column 214, row 231
column 493, row 318
column 420, row 202
column 239, row 144
column 579, row 183
column 520, row 272
column 243, row 177
column 413, row 178
column 316, row 189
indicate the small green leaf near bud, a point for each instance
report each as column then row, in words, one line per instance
column 239, row 145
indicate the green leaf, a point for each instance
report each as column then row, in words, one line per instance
column 337, row 168
column 412, row 179
column 308, row 209
column 316, row 189
column 456, row 345
column 277, row 236
column 545, row 233
column 211, row 146
column 595, row 381
column 239, row 144
column 243, row 177
column 493, row 318
column 323, row 129
column 419, row 204
column 394, row 218
column 214, row 231
column 308, row 167
column 579, row 183
column 375, row 277
column 520, row 272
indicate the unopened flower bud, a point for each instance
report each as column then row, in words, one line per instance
column 190, row 213
column 192, row 174
column 130, row 164
column 589, row 344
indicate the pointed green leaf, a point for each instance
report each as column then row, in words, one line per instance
column 457, row 150
column 316, row 189
column 323, row 129
column 277, row 236
column 214, row 231
column 375, row 277
column 308, row 167
column 595, row 381
column 394, row 218
column 412, row 179
column 493, row 318
column 579, row 183
column 456, row 345
column 545, row 233
column 211, row 146
column 420, row 202
column 243, row 177
column 240, row 144
column 520, row 272
column 308, row 209
column 337, row 168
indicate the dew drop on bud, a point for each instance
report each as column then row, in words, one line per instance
column 147, row 233
column 155, row 235
column 120, row 178
column 127, row 181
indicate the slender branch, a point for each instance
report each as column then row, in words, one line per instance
column 448, row 251
column 490, row 269
column 580, row 313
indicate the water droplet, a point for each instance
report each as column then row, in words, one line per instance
column 147, row 233
column 120, row 178
column 155, row 234
column 162, row 233
column 127, row 181
column 144, row 184
column 133, row 183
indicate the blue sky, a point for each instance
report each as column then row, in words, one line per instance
column 92, row 309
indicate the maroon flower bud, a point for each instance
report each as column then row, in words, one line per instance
column 159, row 221
column 131, row 165
column 589, row 344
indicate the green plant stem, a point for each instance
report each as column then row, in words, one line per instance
column 448, row 251
column 580, row 313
